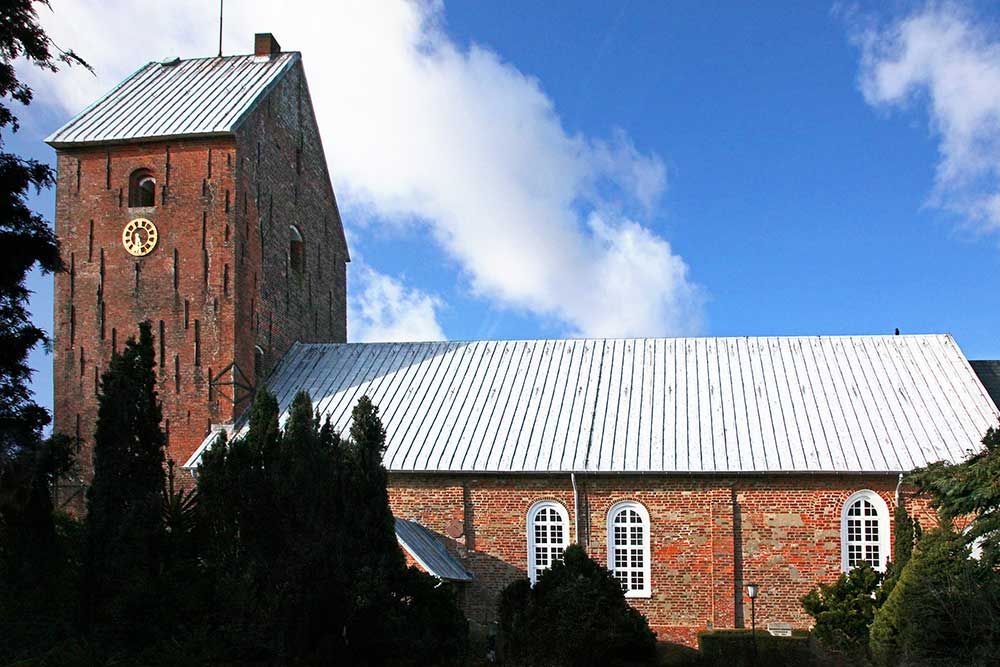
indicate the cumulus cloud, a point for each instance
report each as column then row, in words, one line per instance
column 943, row 55
column 421, row 131
column 383, row 309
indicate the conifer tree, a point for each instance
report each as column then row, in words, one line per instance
column 124, row 503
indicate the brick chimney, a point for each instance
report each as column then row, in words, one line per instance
column 264, row 44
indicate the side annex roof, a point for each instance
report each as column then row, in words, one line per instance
column 428, row 551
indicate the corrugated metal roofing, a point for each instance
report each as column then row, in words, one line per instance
column 428, row 551
column 988, row 371
column 202, row 96
column 777, row 404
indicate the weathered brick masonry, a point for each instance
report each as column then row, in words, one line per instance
column 251, row 258
column 218, row 284
column 709, row 536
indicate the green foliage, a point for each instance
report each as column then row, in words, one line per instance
column 33, row 564
column 25, row 237
column 966, row 489
column 945, row 609
column 301, row 547
column 576, row 614
column 906, row 533
column 843, row 610
column 735, row 648
column 125, row 533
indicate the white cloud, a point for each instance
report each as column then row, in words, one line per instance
column 420, row 131
column 943, row 55
column 382, row 309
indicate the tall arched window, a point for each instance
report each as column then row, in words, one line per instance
column 628, row 547
column 296, row 250
column 141, row 188
column 548, row 536
column 864, row 531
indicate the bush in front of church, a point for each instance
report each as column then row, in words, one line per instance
column 844, row 609
column 945, row 608
column 576, row 614
column 302, row 550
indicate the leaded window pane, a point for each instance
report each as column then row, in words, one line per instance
column 863, row 531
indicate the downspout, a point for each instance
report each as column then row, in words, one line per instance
column 576, row 508
column 898, row 485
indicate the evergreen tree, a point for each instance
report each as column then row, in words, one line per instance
column 25, row 237
column 33, row 564
column 969, row 489
column 944, row 610
column 300, row 543
column 575, row 615
column 125, row 536
column 843, row 611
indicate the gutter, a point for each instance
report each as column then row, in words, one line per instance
column 576, row 508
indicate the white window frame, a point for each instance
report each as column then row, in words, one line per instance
column 882, row 513
column 616, row 509
column 533, row 511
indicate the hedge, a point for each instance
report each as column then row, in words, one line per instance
column 735, row 647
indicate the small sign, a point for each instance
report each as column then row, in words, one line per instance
column 779, row 629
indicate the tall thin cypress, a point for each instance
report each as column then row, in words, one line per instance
column 124, row 502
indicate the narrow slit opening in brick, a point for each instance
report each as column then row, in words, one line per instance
column 162, row 343
column 197, row 342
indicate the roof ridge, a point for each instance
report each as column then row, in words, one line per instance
column 635, row 338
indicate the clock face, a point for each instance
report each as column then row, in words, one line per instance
column 139, row 237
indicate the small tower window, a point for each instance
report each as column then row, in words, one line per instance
column 141, row 188
column 296, row 250
column 258, row 361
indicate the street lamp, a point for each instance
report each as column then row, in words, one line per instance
column 752, row 594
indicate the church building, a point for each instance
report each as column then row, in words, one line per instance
column 196, row 195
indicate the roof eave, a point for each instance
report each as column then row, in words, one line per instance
column 59, row 145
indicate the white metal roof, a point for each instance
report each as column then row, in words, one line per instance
column 180, row 98
column 776, row 404
column 429, row 552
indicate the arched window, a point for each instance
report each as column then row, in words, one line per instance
column 141, row 188
column 296, row 250
column 548, row 536
column 864, row 531
column 628, row 547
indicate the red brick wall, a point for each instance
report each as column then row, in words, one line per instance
column 709, row 537
column 232, row 284
column 282, row 181
column 191, row 220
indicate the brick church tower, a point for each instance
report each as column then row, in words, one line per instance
column 194, row 195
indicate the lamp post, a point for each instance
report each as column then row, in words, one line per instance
column 752, row 594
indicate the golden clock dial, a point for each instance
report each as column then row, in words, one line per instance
column 139, row 237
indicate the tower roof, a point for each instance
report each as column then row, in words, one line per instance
column 177, row 98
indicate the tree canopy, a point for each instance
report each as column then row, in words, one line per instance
column 575, row 615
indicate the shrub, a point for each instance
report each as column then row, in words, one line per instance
column 945, row 608
column 576, row 614
column 736, row 647
column 844, row 610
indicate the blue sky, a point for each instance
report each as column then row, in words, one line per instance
column 523, row 169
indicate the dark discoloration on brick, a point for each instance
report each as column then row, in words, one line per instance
column 220, row 251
